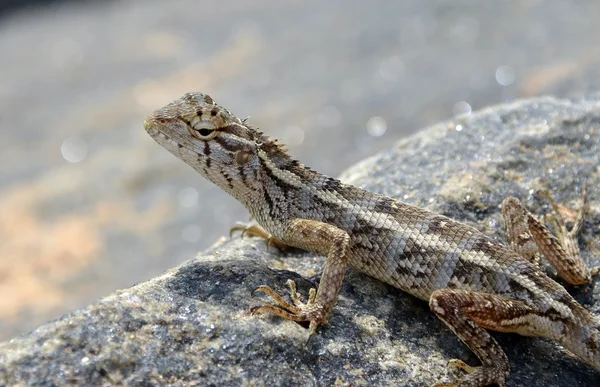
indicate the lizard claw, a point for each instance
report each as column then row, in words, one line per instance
column 461, row 364
column 295, row 311
column 310, row 336
column 239, row 227
column 257, row 231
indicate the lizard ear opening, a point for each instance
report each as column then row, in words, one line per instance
column 242, row 157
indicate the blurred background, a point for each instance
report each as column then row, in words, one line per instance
column 89, row 203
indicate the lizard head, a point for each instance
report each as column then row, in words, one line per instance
column 220, row 146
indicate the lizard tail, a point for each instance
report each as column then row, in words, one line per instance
column 583, row 338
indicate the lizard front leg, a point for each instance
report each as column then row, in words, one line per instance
column 324, row 239
column 467, row 313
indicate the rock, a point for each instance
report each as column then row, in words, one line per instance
column 191, row 326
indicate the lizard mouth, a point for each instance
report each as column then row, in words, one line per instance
column 150, row 126
column 154, row 129
column 169, row 133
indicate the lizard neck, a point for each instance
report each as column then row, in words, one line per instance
column 292, row 190
column 289, row 189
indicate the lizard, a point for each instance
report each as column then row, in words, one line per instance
column 472, row 282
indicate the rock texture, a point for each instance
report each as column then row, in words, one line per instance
column 191, row 326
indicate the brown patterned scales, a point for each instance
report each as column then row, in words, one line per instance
column 471, row 281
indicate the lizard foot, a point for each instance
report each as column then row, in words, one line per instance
column 459, row 364
column 298, row 311
column 574, row 270
column 462, row 365
column 257, row 231
column 478, row 376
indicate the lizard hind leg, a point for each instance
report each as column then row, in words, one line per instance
column 467, row 313
column 562, row 250
column 568, row 238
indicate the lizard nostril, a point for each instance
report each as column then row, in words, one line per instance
column 147, row 123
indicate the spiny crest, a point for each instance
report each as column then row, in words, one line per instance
column 278, row 153
column 275, row 149
column 266, row 143
column 273, row 145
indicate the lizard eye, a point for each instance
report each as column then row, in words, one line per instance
column 204, row 133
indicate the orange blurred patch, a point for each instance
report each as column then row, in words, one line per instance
column 547, row 77
column 38, row 255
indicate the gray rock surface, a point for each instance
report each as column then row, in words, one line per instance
column 191, row 326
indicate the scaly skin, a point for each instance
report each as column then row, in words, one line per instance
column 471, row 281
